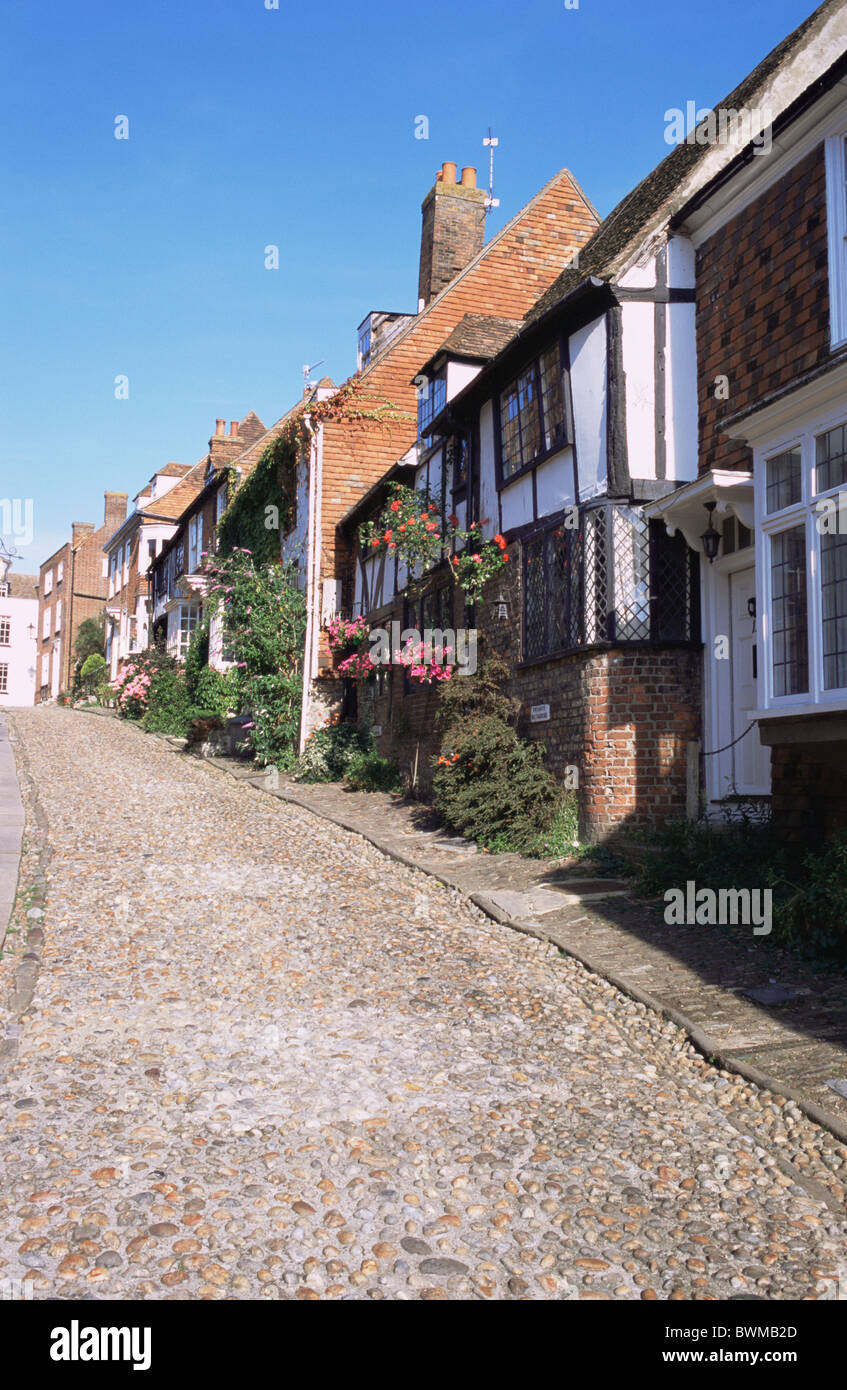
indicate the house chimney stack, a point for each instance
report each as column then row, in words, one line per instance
column 114, row 511
column 220, row 426
column 233, row 429
column 80, row 529
column 453, row 229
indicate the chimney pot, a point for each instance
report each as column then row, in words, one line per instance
column 233, row 429
column 448, row 172
column 469, row 177
column 219, row 426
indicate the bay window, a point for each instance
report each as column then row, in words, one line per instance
column 616, row 578
column 802, row 512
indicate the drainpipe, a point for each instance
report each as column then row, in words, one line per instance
column 313, row 532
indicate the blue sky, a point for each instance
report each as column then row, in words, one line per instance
column 250, row 126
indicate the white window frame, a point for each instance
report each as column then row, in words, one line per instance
column 60, row 571
column 58, row 616
column 48, row 583
column 836, row 230
column 45, row 625
column 804, row 512
column 220, row 502
column 193, row 544
column 4, row 678
column 5, row 627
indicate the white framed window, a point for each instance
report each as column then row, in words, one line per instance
column 5, row 631
column 48, row 582
column 127, row 549
column 60, row 571
column 193, row 543
column 220, row 502
column 58, row 615
column 4, row 589
column 801, row 509
column 45, row 624
column 4, row 677
column 113, row 573
column 836, row 227
column 189, row 615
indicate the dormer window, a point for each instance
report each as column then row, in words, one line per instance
column 532, row 414
column 364, row 349
column 432, row 398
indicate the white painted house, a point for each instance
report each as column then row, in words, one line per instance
column 18, row 623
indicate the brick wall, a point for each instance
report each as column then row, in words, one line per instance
column 622, row 717
column 809, row 790
column 762, row 303
column 453, row 232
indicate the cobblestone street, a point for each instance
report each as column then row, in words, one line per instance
column 264, row 1061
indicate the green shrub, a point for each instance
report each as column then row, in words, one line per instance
column 274, row 704
column 330, row 753
column 809, row 890
column 490, row 784
column 371, row 772
column 213, row 691
column 169, row 704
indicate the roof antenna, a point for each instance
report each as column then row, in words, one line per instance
column 307, row 373
column 492, row 142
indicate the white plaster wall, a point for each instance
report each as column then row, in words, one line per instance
column 487, row 480
column 640, row 277
column 554, row 483
column 681, row 263
column 516, row 503
column 681, row 393
column 588, row 388
column 639, row 339
column 458, row 376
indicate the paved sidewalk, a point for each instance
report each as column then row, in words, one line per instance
column 11, row 828
column 793, row 1040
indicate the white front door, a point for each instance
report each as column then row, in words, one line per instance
column 750, row 761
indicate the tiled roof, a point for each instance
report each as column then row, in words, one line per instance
column 480, row 335
column 22, row 585
column 668, row 187
column 174, row 470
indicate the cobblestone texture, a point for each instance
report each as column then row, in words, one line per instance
column 264, row 1061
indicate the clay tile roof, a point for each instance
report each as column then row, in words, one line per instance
column 480, row 335
column 174, row 470
column 174, row 503
column 599, row 255
column 22, row 585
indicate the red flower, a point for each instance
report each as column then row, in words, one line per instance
column 505, row 554
column 501, row 541
column 387, row 536
column 375, row 541
column 395, row 505
column 453, row 519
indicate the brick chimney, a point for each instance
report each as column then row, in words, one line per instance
column 453, row 229
column 80, row 529
column 114, row 513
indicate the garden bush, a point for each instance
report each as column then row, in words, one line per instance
column 169, row 708
column 809, row 888
column 371, row 772
column 330, row 753
column 489, row 783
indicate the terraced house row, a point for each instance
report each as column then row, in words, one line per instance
column 649, row 412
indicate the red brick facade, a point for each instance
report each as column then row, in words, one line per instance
column 762, row 303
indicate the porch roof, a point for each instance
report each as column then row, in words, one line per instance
column 684, row 509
